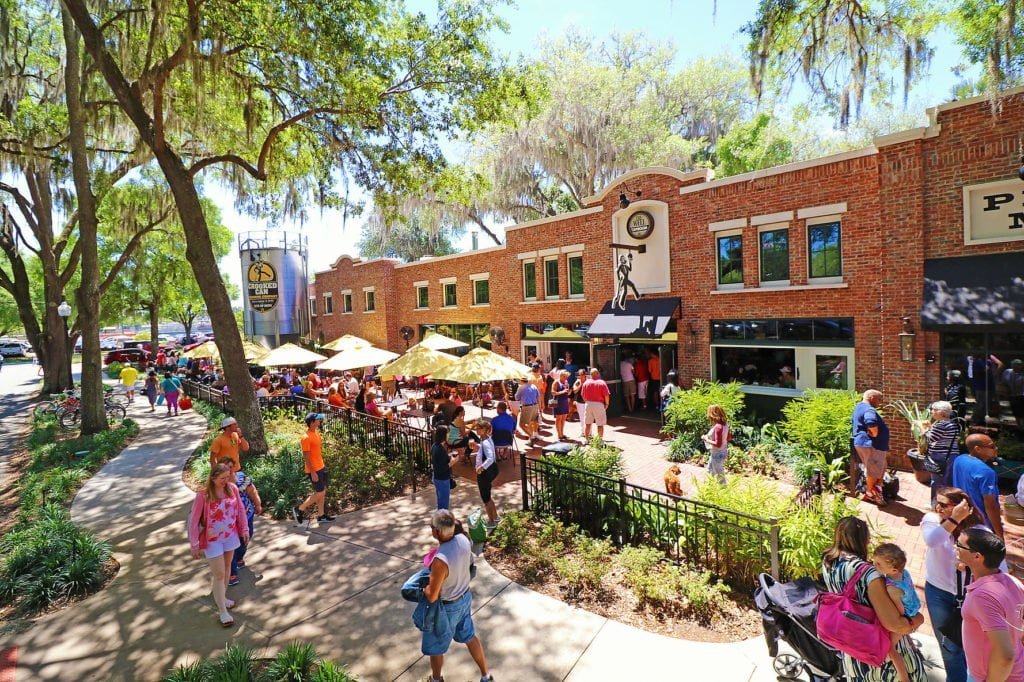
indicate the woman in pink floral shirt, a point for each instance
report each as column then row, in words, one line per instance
column 217, row 527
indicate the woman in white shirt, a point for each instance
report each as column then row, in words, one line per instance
column 486, row 468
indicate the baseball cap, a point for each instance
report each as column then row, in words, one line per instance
column 1016, row 364
column 313, row 417
column 227, row 421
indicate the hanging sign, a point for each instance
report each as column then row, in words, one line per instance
column 262, row 286
column 640, row 225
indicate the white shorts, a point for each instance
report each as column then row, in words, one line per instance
column 216, row 549
column 642, row 390
column 596, row 414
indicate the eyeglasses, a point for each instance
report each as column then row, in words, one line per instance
column 963, row 547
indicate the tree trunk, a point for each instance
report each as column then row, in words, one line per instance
column 94, row 418
column 52, row 350
column 199, row 251
column 154, row 326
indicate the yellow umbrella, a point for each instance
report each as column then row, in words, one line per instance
column 290, row 355
column 355, row 358
column 481, row 364
column 436, row 341
column 562, row 334
column 252, row 351
column 530, row 334
column 417, row 362
column 203, row 350
column 346, row 342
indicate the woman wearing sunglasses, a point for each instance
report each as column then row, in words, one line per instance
column 953, row 514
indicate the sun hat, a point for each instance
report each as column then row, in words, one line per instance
column 227, row 421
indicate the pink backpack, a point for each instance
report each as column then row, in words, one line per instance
column 853, row 628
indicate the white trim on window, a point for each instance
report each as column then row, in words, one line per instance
column 445, row 283
column 573, row 248
column 421, row 283
column 824, row 220
column 526, row 255
column 772, row 227
column 735, row 223
column 448, row 280
column 828, row 210
column 366, row 292
column 346, row 302
column 523, row 280
column 568, row 274
column 480, row 275
column 416, row 287
column 328, row 296
column 780, row 217
column 544, row 276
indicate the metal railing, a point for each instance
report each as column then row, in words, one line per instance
column 395, row 440
column 811, row 490
column 733, row 546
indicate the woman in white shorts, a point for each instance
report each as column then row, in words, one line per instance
column 216, row 528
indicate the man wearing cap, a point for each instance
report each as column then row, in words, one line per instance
column 313, row 459
column 228, row 443
column 528, row 397
column 1014, row 380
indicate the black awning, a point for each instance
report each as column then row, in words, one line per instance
column 973, row 290
column 645, row 318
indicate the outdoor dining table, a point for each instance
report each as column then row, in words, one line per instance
column 418, row 418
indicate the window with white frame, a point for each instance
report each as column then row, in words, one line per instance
column 369, row 299
column 574, row 266
column 529, row 280
column 328, row 304
column 824, row 249
column 312, row 305
column 449, row 295
column 773, row 254
column 729, row 257
column 346, row 302
column 481, row 288
column 551, row 277
column 422, row 295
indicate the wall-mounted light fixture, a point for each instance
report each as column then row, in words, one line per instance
column 906, row 340
column 624, row 201
column 693, row 336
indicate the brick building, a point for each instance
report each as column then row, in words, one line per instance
column 879, row 267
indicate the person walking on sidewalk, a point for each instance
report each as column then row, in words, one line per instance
column 717, row 442
column 528, row 397
column 450, row 573
column 171, row 387
column 486, row 466
column 229, row 443
column 871, row 441
column 253, row 506
column 596, row 396
column 151, row 389
column 313, row 459
column 129, row 375
column 216, row 528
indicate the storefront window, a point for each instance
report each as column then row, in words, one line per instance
column 755, row 366
column 730, row 259
column 575, row 275
column 774, row 255
column 825, row 250
column 835, row 331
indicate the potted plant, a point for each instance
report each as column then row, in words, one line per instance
column 917, row 417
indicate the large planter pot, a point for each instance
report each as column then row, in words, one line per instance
column 917, row 464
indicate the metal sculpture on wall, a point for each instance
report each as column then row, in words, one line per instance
column 624, row 283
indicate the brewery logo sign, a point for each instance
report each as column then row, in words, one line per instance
column 262, row 286
column 640, row 225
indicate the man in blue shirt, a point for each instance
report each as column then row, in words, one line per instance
column 974, row 474
column 871, row 441
column 528, row 397
column 504, row 426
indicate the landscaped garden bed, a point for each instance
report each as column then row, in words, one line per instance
column 46, row 562
column 297, row 662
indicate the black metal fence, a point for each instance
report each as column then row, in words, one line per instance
column 395, row 440
column 733, row 546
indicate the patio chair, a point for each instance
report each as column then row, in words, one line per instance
column 505, row 445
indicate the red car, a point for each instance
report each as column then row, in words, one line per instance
column 126, row 355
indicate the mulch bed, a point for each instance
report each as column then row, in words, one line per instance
column 617, row 602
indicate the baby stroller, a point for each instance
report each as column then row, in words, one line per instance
column 788, row 611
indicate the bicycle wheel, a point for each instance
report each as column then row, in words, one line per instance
column 116, row 413
column 44, row 408
column 69, row 419
column 116, row 398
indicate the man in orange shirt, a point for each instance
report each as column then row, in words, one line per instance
column 313, row 459
column 228, row 443
column 654, row 368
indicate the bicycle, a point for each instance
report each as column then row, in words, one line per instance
column 70, row 419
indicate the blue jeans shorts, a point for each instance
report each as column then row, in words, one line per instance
column 460, row 615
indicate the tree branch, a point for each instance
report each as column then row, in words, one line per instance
column 129, row 249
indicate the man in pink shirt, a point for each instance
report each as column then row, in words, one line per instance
column 993, row 610
column 596, row 396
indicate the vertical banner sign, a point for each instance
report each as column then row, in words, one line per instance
column 262, row 285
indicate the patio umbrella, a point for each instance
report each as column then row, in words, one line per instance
column 562, row 334
column 437, row 341
column 203, row 350
column 530, row 334
column 346, row 342
column 417, row 362
column 252, row 351
column 481, row 364
column 290, row 355
column 356, row 358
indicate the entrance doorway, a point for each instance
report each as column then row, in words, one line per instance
column 651, row 362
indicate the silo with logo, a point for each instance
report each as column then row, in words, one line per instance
column 275, row 304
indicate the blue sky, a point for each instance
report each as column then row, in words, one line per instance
column 696, row 29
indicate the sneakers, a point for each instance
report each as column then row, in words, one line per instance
column 233, row 580
column 492, row 526
column 323, row 518
column 297, row 515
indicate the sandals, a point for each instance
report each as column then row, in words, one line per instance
column 226, row 621
column 229, row 603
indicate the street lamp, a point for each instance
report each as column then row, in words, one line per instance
column 64, row 310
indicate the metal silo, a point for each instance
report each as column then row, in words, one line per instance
column 274, row 293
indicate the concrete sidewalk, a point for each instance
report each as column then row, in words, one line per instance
column 335, row 586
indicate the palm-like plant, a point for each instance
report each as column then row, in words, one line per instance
column 917, row 417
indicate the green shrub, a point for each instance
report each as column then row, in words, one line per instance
column 114, row 370
column 704, row 597
column 280, row 478
column 819, row 422
column 757, row 459
column 585, row 565
column 596, row 457
column 49, row 561
column 668, row 588
column 297, row 662
column 511, row 534
column 359, row 475
column 686, row 414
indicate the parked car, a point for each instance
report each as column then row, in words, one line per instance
column 126, row 356
column 16, row 349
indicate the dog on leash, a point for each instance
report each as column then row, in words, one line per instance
column 672, row 484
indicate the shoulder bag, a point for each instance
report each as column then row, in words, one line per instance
column 953, row 628
column 851, row 627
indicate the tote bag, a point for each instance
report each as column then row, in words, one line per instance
column 853, row 628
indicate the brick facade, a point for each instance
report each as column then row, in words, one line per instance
column 901, row 202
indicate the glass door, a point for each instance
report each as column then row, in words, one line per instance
column 824, row 368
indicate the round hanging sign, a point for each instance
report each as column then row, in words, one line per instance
column 262, row 286
column 640, row 225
